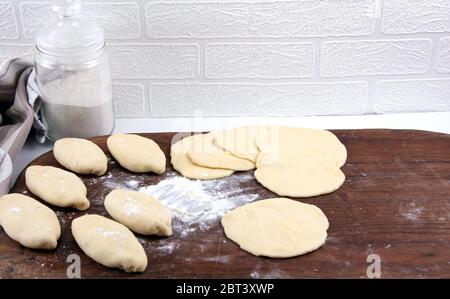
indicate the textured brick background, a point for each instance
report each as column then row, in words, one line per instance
column 262, row 57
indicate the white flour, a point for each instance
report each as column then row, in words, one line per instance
column 200, row 202
column 133, row 184
column 76, row 103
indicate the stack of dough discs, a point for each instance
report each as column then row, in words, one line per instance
column 137, row 153
column 206, row 153
column 294, row 162
column 29, row 222
column 80, row 155
column 276, row 227
column 240, row 141
column 109, row 243
column 184, row 165
column 300, row 162
column 57, row 187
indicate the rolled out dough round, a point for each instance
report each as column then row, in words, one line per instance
column 299, row 162
column 240, row 141
column 302, row 173
column 80, row 155
column 206, row 153
column 287, row 139
column 276, row 227
column 184, row 165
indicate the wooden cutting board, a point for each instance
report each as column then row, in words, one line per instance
column 395, row 203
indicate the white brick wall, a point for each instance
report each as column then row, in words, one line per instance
column 259, row 19
column 443, row 56
column 412, row 95
column 129, row 100
column 119, row 20
column 262, row 57
column 413, row 16
column 8, row 21
column 14, row 50
column 219, row 99
column 268, row 60
column 375, row 57
column 146, row 60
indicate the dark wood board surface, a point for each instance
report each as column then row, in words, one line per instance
column 395, row 203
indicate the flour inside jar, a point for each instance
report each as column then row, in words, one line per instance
column 74, row 106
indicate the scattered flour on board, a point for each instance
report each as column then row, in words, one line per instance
column 115, row 183
column 200, row 202
column 412, row 212
column 194, row 204
column 221, row 259
column 164, row 249
column 168, row 248
column 271, row 274
column 133, row 184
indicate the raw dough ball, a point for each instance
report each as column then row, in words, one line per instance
column 279, row 138
column 57, row 187
column 184, row 165
column 207, row 154
column 240, row 141
column 29, row 222
column 301, row 173
column 276, row 227
column 137, row 153
column 139, row 212
column 80, row 155
column 109, row 243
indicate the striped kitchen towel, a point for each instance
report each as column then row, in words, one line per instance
column 18, row 105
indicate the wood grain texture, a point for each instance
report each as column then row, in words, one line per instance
column 395, row 203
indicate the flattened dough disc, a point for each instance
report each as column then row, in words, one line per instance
column 298, row 174
column 183, row 164
column 276, row 227
column 323, row 142
column 240, row 141
column 206, row 153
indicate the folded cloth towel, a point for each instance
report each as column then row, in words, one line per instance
column 17, row 77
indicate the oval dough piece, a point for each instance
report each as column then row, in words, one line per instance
column 206, row 153
column 109, row 243
column 276, row 227
column 240, row 141
column 139, row 212
column 298, row 174
column 57, row 187
column 137, row 153
column 29, row 222
column 80, row 155
column 279, row 138
column 184, row 165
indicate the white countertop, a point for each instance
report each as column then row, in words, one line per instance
column 431, row 121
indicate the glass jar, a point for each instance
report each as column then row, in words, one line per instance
column 73, row 75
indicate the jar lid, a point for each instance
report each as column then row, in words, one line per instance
column 70, row 35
